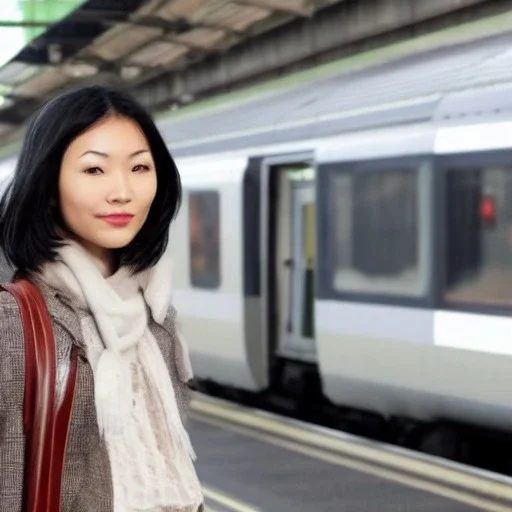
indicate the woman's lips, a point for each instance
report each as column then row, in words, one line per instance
column 117, row 219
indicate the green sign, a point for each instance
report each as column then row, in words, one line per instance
column 21, row 21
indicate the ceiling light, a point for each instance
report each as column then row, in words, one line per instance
column 80, row 69
column 130, row 72
column 186, row 98
column 54, row 53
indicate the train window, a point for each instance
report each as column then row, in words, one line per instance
column 204, row 226
column 479, row 236
column 376, row 233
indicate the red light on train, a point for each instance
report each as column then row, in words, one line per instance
column 488, row 210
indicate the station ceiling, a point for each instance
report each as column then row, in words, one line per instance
column 50, row 45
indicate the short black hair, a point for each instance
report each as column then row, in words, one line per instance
column 29, row 215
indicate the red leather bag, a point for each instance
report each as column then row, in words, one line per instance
column 46, row 422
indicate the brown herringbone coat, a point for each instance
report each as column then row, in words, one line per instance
column 86, row 485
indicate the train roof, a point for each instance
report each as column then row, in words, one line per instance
column 461, row 82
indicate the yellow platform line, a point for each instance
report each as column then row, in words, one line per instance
column 405, row 480
column 398, row 462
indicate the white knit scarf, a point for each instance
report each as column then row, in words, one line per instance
column 118, row 306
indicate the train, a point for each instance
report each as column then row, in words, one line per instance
column 355, row 228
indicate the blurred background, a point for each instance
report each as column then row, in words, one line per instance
column 343, row 254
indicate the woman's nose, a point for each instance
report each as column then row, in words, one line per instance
column 121, row 191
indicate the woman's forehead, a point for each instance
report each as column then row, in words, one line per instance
column 113, row 135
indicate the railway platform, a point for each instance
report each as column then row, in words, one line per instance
column 253, row 461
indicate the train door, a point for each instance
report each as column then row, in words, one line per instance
column 295, row 262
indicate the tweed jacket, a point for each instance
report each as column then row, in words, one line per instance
column 87, row 479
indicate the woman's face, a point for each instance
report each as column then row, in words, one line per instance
column 107, row 184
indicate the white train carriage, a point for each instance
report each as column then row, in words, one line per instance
column 289, row 285
column 372, row 242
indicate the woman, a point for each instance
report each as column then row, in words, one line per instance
column 86, row 219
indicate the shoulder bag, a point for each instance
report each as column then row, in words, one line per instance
column 46, row 422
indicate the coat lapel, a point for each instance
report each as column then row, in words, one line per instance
column 62, row 311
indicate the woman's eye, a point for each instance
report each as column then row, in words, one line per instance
column 93, row 170
column 140, row 168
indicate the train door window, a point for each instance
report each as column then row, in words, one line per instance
column 478, row 236
column 295, row 259
column 302, row 261
column 378, row 229
column 204, row 232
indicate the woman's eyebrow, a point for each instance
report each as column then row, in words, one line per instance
column 101, row 153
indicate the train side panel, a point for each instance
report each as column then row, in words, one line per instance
column 206, row 242
column 388, row 360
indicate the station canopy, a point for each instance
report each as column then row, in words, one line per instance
column 50, row 45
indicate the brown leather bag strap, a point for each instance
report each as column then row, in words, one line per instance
column 46, row 422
